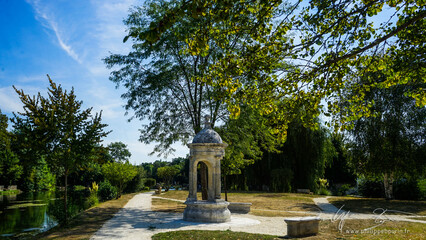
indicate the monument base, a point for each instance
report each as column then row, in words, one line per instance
column 207, row 211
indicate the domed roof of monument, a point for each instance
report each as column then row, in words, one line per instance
column 207, row 135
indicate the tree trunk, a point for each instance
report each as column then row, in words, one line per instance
column 203, row 176
column 225, row 187
column 388, row 179
column 66, row 198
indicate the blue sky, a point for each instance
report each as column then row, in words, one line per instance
column 67, row 40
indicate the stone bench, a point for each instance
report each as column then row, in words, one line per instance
column 302, row 226
column 307, row 191
column 239, row 207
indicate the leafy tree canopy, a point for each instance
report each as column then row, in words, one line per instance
column 323, row 40
column 167, row 173
column 163, row 80
column 119, row 152
column 60, row 129
column 119, row 174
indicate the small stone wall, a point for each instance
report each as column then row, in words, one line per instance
column 239, row 207
column 302, row 226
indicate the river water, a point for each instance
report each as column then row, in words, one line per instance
column 26, row 212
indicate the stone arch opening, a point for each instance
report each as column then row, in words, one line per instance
column 205, row 173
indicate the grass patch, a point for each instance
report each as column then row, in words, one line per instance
column 210, row 235
column 368, row 205
column 87, row 223
column 164, row 205
column 275, row 213
column 264, row 204
column 370, row 229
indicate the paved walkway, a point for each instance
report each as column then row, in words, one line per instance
column 137, row 221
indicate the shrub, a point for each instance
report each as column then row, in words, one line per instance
column 107, row 191
column 421, row 184
column 146, row 188
column 343, row 189
column 373, row 189
column 150, row 182
column 91, row 201
column 324, row 191
column 323, row 185
column 406, row 190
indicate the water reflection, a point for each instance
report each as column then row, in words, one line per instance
column 25, row 212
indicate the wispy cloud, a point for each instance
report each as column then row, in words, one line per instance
column 31, row 79
column 109, row 31
column 9, row 100
column 48, row 21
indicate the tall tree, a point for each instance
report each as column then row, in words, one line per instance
column 339, row 170
column 247, row 138
column 166, row 79
column 392, row 143
column 64, row 132
column 119, row 152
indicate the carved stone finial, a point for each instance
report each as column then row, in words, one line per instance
column 207, row 123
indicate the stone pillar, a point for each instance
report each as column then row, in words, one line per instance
column 210, row 183
column 217, row 180
column 192, row 180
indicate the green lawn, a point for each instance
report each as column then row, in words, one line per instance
column 368, row 205
column 264, row 204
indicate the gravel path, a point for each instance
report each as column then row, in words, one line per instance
column 136, row 220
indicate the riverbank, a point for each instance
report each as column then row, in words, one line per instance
column 88, row 222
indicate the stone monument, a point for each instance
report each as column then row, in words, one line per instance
column 207, row 147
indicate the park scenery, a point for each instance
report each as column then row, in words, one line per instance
column 213, row 119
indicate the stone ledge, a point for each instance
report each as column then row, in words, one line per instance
column 239, row 207
column 302, row 226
